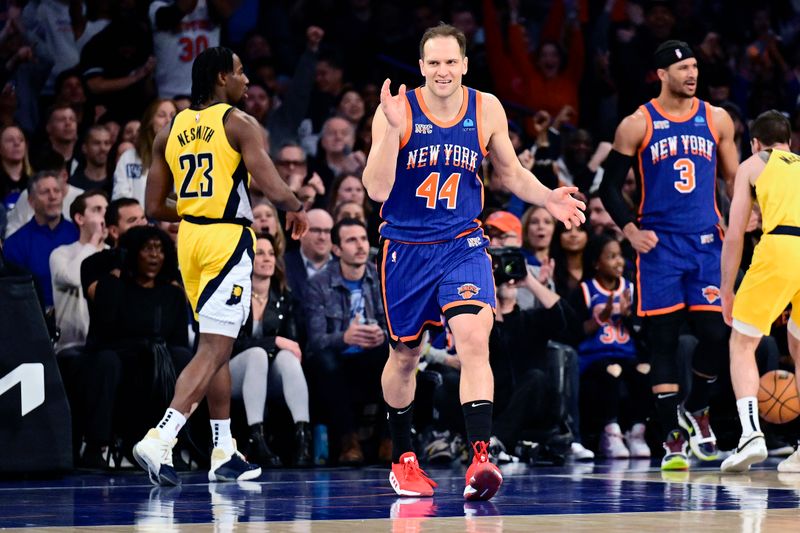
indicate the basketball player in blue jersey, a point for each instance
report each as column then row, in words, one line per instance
column 207, row 156
column 428, row 145
column 676, row 144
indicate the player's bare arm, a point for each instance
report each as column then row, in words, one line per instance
column 388, row 127
column 517, row 178
column 741, row 207
column 158, row 204
column 727, row 154
column 627, row 139
column 245, row 135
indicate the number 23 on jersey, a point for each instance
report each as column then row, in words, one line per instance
column 430, row 191
column 197, row 181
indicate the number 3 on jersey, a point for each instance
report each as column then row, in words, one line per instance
column 202, row 187
column 429, row 190
column 686, row 180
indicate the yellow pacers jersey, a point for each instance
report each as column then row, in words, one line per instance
column 211, row 181
column 778, row 191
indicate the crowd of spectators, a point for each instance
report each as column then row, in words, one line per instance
column 86, row 85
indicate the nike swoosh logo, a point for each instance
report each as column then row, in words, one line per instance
column 479, row 404
column 404, row 411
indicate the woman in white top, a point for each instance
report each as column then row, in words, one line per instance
column 130, row 176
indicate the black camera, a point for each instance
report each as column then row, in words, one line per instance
column 508, row 263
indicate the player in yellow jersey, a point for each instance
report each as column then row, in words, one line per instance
column 771, row 282
column 205, row 156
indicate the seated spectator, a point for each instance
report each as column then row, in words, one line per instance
column 335, row 156
column 313, row 254
column 30, row 246
column 266, row 360
column 23, row 212
column 347, row 336
column 517, row 345
column 62, row 136
column 72, row 313
column 266, row 220
column 606, row 350
column 567, row 249
column 15, row 168
column 141, row 340
column 130, row 176
column 93, row 174
column 504, row 229
column 347, row 209
column 538, row 226
column 350, row 106
column 122, row 214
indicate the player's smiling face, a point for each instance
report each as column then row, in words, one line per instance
column 681, row 78
column 443, row 66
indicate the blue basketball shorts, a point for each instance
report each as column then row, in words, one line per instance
column 421, row 282
column 682, row 271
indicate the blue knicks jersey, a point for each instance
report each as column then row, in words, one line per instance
column 612, row 339
column 437, row 193
column 677, row 170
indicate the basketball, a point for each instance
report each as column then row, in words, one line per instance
column 777, row 397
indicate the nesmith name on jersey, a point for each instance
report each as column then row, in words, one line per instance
column 682, row 145
column 453, row 154
column 199, row 132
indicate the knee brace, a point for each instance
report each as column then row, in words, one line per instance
column 662, row 333
column 712, row 350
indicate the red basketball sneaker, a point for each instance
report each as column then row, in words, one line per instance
column 408, row 479
column 483, row 478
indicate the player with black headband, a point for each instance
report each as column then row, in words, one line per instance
column 675, row 144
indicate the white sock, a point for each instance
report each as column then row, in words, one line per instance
column 748, row 415
column 221, row 435
column 171, row 424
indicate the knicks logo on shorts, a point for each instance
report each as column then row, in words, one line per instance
column 468, row 290
column 236, row 295
column 711, row 293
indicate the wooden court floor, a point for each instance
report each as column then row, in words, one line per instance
column 628, row 496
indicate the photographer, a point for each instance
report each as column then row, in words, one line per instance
column 517, row 348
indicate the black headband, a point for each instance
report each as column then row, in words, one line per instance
column 671, row 52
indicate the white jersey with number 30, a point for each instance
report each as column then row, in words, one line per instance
column 175, row 50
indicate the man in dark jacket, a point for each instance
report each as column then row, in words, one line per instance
column 347, row 334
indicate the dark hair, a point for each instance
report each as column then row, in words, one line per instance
column 51, row 161
column 561, row 272
column 57, row 107
column 205, row 69
column 132, row 243
column 593, row 251
column 771, row 127
column 342, row 223
column 280, row 269
column 92, row 128
column 338, row 208
column 443, row 30
column 112, row 212
column 337, row 184
column 78, row 205
column 39, row 176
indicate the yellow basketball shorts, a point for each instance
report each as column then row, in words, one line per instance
column 771, row 283
column 216, row 262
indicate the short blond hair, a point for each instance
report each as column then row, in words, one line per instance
column 443, row 30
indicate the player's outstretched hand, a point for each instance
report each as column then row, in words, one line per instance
column 297, row 223
column 394, row 107
column 564, row 207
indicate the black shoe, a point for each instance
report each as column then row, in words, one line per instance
column 257, row 450
column 92, row 459
column 302, row 445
